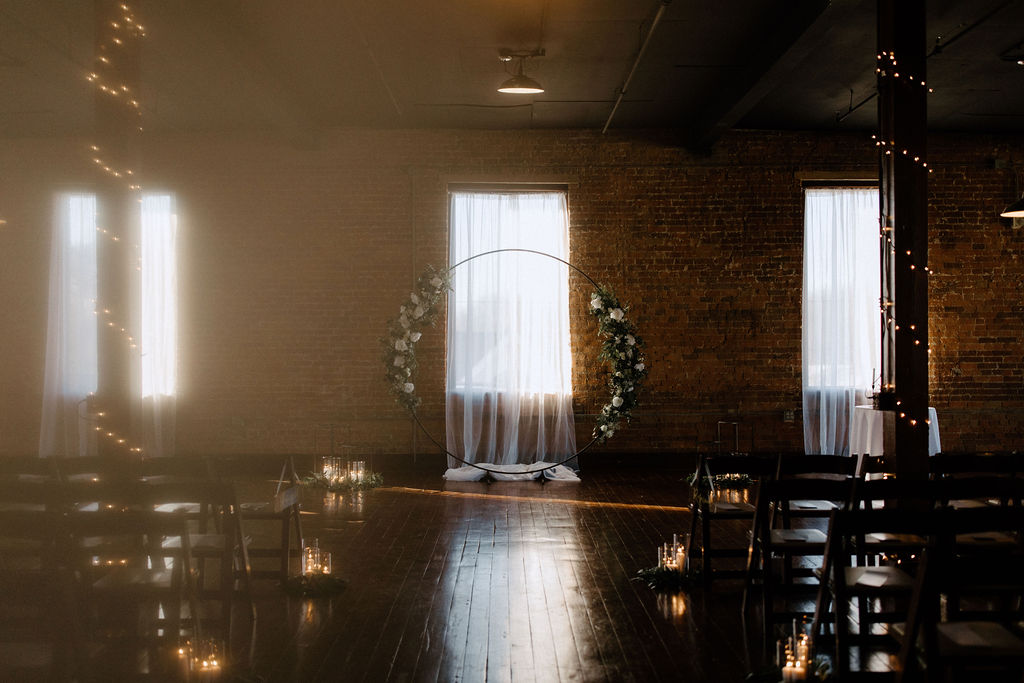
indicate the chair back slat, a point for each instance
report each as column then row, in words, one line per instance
column 27, row 468
column 954, row 464
column 753, row 465
column 793, row 464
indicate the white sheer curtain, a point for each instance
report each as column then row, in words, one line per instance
column 841, row 333
column 71, row 368
column 508, row 397
column 71, row 375
column 158, row 338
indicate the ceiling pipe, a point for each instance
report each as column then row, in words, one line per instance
column 639, row 55
column 937, row 49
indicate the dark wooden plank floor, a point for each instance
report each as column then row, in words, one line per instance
column 501, row 582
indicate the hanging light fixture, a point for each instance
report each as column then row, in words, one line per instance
column 520, row 83
column 1016, row 209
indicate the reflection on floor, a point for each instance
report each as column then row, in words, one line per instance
column 512, row 581
column 502, row 581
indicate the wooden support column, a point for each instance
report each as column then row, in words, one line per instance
column 115, row 153
column 903, row 187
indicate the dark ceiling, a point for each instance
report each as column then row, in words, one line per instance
column 299, row 68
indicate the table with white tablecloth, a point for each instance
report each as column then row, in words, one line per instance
column 867, row 434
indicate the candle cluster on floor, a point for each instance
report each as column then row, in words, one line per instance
column 672, row 555
column 672, row 573
column 336, row 471
column 315, row 560
column 794, row 656
column 203, row 659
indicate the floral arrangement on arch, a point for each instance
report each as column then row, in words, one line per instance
column 622, row 348
column 418, row 312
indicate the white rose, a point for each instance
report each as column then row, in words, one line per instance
column 617, row 401
column 617, row 314
column 403, row 321
column 409, row 387
column 640, row 366
column 596, row 304
column 399, row 361
column 400, row 345
column 610, row 433
column 618, row 374
column 417, row 312
column 604, row 428
column 413, row 298
column 415, row 336
column 630, row 339
column 435, row 282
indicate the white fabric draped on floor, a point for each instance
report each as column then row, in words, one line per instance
column 518, row 472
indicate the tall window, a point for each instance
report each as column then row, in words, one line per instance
column 509, row 362
column 74, row 308
column 71, row 373
column 159, row 300
column 841, row 333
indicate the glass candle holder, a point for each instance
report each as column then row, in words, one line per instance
column 332, row 469
column 672, row 555
column 311, row 558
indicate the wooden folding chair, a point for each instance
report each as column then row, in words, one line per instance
column 40, row 634
column 138, row 590
column 813, row 466
column 873, row 548
column 986, row 642
column 215, row 537
column 788, row 559
column 283, row 511
column 710, row 508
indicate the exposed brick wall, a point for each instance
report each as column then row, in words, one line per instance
column 294, row 259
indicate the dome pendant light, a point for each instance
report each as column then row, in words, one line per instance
column 520, row 83
column 1015, row 210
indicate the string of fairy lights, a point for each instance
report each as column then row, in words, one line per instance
column 888, row 69
column 114, row 437
column 122, row 30
column 113, row 172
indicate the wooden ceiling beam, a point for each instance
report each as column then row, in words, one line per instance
column 788, row 42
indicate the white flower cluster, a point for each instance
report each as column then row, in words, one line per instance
column 623, row 349
column 419, row 311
